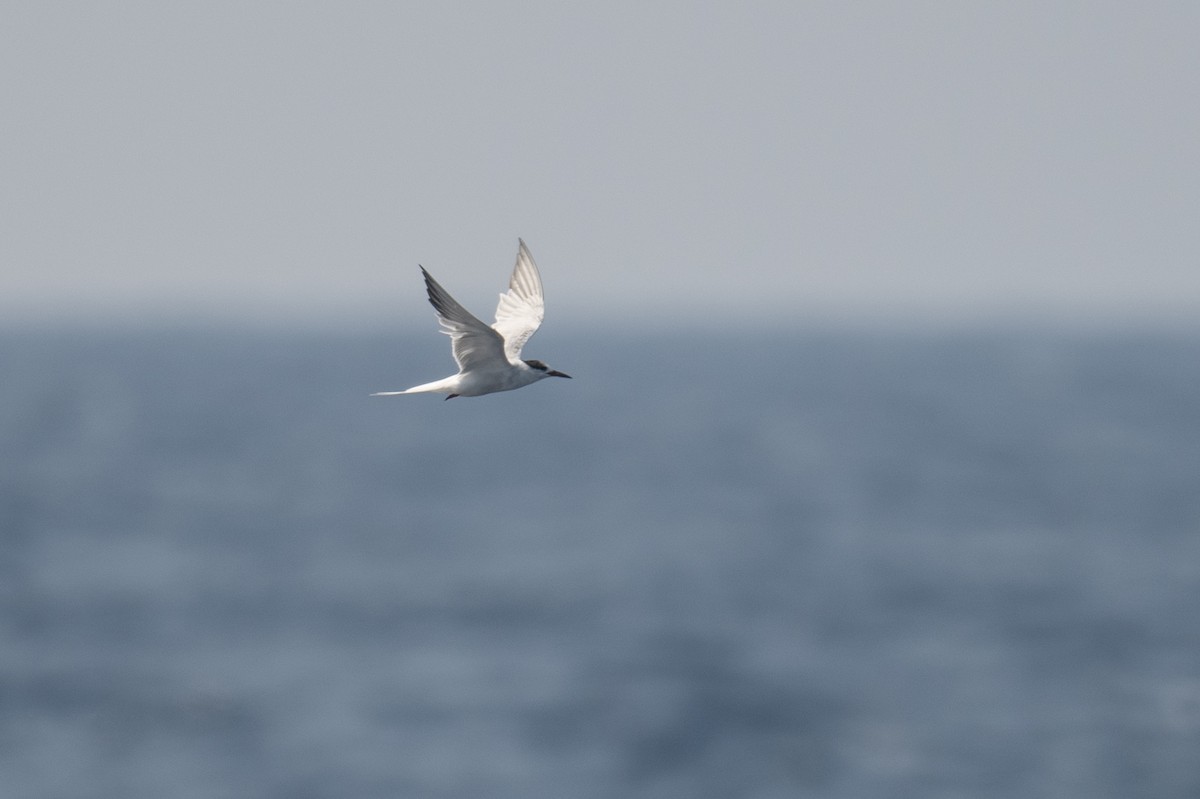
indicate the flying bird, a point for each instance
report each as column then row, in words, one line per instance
column 489, row 358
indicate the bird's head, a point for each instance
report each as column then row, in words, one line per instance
column 544, row 370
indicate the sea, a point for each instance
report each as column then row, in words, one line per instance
column 827, row 562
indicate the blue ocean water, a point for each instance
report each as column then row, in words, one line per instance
column 816, row 564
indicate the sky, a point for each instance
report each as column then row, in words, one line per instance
column 667, row 162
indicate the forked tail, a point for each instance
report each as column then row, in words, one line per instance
column 443, row 386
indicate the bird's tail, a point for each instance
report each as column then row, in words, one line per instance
column 436, row 387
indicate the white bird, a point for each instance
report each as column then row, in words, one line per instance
column 489, row 358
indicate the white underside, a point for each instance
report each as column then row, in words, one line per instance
column 475, row 383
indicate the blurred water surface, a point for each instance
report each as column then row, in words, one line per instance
column 821, row 564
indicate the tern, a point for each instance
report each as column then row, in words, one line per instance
column 489, row 358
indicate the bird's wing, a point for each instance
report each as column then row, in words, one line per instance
column 474, row 343
column 521, row 308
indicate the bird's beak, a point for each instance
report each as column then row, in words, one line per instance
column 553, row 373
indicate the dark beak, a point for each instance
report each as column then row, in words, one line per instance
column 553, row 373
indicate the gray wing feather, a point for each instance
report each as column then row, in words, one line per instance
column 474, row 344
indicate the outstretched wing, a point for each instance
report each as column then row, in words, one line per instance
column 475, row 345
column 521, row 308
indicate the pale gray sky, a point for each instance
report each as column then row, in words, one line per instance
column 775, row 160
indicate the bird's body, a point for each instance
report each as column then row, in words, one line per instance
column 489, row 358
